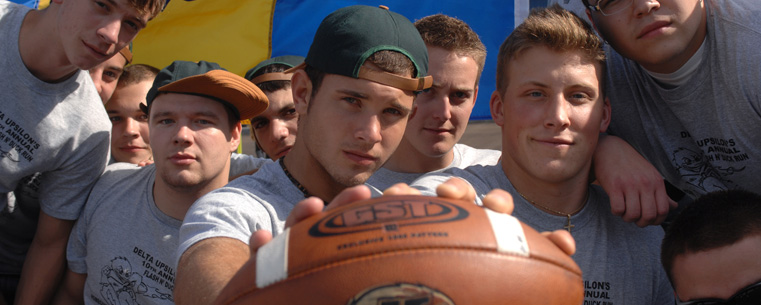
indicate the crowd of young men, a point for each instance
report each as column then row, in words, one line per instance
column 365, row 110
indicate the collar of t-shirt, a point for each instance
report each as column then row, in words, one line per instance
column 681, row 76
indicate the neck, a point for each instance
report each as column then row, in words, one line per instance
column 175, row 201
column 407, row 159
column 41, row 49
column 308, row 172
column 567, row 197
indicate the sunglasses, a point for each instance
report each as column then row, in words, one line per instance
column 750, row 295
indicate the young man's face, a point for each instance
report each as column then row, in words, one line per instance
column 442, row 113
column 275, row 129
column 191, row 139
column 352, row 126
column 106, row 75
column 551, row 114
column 129, row 131
column 717, row 273
column 92, row 31
column 659, row 35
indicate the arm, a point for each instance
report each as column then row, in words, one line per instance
column 45, row 262
column 72, row 289
column 636, row 189
column 206, row 267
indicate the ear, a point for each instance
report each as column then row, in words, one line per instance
column 475, row 98
column 605, row 122
column 235, row 137
column 495, row 104
column 413, row 111
column 301, row 88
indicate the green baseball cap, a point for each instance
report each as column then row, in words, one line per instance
column 208, row 79
column 289, row 61
column 348, row 36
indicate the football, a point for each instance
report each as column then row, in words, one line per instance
column 407, row 250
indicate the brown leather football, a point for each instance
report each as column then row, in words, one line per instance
column 408, row 250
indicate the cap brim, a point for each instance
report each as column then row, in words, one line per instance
column 126, row 53
column 301, row 66
column 396, row 81
column 273, row 76
column 386, row 78
column 248, row 99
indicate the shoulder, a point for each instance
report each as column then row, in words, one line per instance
column 736, row 11
column 8, row 8
column 118, row 182
column 120, row 171
column 472, row 156
column 475, row 175
column 242, row 163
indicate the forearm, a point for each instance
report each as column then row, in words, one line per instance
column 71, row 291
column 45, row 261
column 205, row 269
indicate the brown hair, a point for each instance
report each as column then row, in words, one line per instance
column 713, row 221
column 273, row 85
column 136, row 73
column 453, row 35
column 152, row 7
column 557, row 29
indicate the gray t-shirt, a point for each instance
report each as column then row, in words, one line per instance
column 243, row 163
column 702, row 136
column 54, row 143
column 464, row 156
column 123, row 242
column 620, row 262
column 261, row 201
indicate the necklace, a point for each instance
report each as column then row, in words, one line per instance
column 293, row 180
column 568, row 226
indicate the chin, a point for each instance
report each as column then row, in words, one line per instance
column 440, row 149
column 353, row 180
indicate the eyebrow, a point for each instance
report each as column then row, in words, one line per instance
column 143, row 23
column 535, row 83
column 194, row 114
column 356, row 94
column 353, row 93
column 286, row 107
column 114, row 68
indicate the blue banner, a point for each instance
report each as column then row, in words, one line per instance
column 296, row 21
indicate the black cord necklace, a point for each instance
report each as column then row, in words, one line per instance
column 293, row 180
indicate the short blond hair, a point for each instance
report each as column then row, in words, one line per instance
column 557, row 29
column 453, row 35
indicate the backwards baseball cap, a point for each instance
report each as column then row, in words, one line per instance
column 208, row 79
column 348, row 36
column 127, row 52
column 289, row 61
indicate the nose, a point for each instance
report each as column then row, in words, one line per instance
column 369, row 129
column 442, row 109
column 279, row 130
column 109, row 32
column 97, row 78
column 183, row 135
column 132, row 130
column 643, row 8
column 557, row 113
